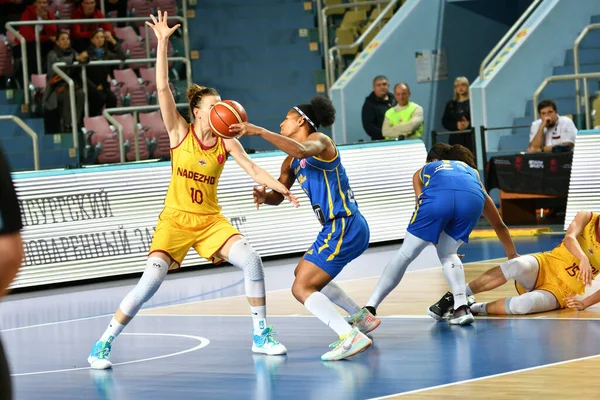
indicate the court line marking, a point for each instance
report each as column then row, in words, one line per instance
column 203, row 343
column 389, row 396
column 395, row 316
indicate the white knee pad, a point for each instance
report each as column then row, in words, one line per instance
column 531, row 302
column 153, row 276
column 523, row 269
column 447, row 246
column 243, row 256
column 412, row 246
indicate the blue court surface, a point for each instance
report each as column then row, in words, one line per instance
column 48, row 335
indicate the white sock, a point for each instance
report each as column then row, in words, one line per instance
column 479, row 308
column 112, row 331
column 338, row 297
column 468, row 290
column 320, row 306
column 259, row 318
column 455, row 275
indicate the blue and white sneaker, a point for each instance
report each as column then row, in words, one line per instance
column 100, row 354
column 265, row 343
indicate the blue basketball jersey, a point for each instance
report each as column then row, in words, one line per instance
column 326, row 185
column 450, row 175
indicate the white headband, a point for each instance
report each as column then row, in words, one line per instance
column 305, row 117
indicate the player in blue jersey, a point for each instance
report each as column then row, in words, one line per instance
column 450, row 201
column 315, row 163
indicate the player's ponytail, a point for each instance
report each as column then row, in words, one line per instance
column 195, row 93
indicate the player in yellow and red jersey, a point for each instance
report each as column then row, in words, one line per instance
column 192, row 215
column 549, row 280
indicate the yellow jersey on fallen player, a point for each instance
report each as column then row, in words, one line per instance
column 565, row 266
column 195, row 175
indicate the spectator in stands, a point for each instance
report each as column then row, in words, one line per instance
column 99, row 93
column 551, row 132
column 376, row 104
column 56, row 96
column 457, row 115
column 82, row 33
column 120, row 6
column 404, row 121
column 38, row 11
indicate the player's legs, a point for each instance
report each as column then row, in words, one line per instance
column 455, row 276
column 238, row 251
column 310, row 280
column 395, row 269
column 157, row 266
column 522, row 269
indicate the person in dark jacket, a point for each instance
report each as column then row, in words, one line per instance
column 102, row 48
column 376, row 104
column 457, row 115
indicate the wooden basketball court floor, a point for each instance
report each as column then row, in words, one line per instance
column 193, row 340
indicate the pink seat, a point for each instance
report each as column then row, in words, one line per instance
column 128, row 133
column 130, row 84
column 102, row 139
column 38, row 81
column 141, row 8
column 132, row 43
column 156, row 131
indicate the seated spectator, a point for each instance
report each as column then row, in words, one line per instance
column 376, row 104
column 56, row 96
column 99, row 93
column 457, row 114
column 37, row 11
column 120, row 6
column 404, row 121
column 551, row 131
column 82, row 33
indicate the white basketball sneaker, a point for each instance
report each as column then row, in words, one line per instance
column 265, row 343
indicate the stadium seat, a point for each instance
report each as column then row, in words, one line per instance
column 154, row 127
column 131, row 86
column 129, row 135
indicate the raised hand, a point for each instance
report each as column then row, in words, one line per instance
column 160, row 26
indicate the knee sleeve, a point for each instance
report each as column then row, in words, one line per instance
column 447, row 246
column 153, row 276
column 531, row 302
column 523, row 269
column 243, row 256
column 412, row 246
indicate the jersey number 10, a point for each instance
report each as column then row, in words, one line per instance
column 197, row 196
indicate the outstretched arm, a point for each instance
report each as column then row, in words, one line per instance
column 174, row 122
column 259, row 175
column 315, row 144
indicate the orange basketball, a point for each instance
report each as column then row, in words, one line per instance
column 225, row 113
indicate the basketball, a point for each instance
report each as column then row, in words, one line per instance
column 225, row 113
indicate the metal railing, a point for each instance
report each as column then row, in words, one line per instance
column 324, row 31
column 507, row 36
column 578, row 98
column 483, row 137
column 10, row 26
column 471, row 131
column 31, row 133
column 121, row 110
column 565, row 78
column 57, row 68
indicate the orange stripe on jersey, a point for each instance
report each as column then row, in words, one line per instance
column 196, row 170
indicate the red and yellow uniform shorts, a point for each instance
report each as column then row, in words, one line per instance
column 178, row 231
column 549, row 281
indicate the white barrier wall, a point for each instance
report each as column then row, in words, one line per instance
column 97, row 222
column 584, row 187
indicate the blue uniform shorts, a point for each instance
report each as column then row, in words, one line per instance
column 340, row 241
column 455, row 212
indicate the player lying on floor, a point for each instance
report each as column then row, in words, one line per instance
column 544, row 281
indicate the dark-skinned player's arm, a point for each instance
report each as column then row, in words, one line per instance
column 273, row 198
column 315, row 144
column 418, row 184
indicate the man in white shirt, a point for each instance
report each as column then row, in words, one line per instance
column 551, row 129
